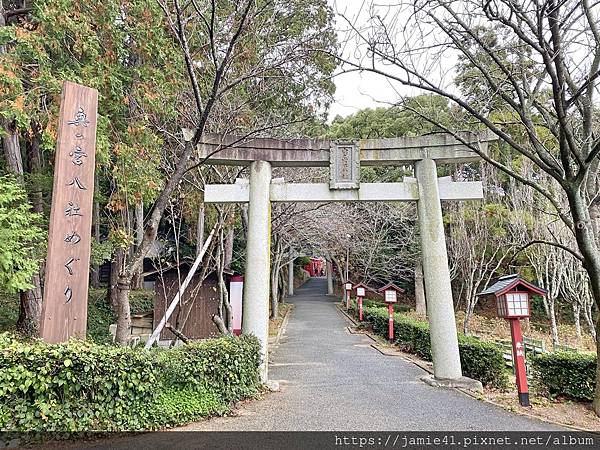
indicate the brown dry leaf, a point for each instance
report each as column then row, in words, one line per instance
column 51, row 130
column 7, row 72
column 19, row 103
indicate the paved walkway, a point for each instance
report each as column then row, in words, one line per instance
column 333, row 380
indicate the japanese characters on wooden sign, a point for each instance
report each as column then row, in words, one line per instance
column 344, row 166
column 64, row 310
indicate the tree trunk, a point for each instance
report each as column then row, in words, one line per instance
column 595, row 219
column 123, row 311
column 34, row 157
column 220, row 324
column 553, row 324
column 275, row 270
column 96, row 229
column 137, row 281
column 229, row 248
column 468, row 314
column 244, row 215
column 340, row 270
column 421, row 305
column 229, row 315
column 12, row 149
column 200, row 229
column 577, row 320
column 527, row 324
column 35, row 295
column 30, row 306
column 586, row 242
column 593, row 185
column 274, row 292
column 282, row 285
column 116, row 266
column 588, row 316
column 30, row 309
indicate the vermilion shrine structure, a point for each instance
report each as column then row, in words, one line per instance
column 344, row 160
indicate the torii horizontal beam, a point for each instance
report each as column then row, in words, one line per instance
column 239, row 192
column 239, row 151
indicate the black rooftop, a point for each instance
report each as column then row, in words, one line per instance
column 502, row 283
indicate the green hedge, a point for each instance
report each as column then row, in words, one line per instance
column 398, row 307
column 565, row 373
column 82, row 386
column 480, row 360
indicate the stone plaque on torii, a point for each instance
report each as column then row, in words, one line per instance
column 344, row 160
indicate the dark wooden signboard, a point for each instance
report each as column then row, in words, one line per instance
column 64, row 310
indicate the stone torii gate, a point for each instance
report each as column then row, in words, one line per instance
column 344, row 160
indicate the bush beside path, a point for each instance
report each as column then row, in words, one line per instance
column 82, row 386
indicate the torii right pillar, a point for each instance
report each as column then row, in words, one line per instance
column 440, row 307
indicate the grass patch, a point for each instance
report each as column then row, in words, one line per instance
column 275, row 324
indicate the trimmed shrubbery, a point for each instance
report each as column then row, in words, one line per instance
column 483, row 361
column 81, row 386
column 480, row 360
column 565, row 373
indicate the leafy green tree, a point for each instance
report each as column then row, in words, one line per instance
column 120, row 48
column 251, row 68
column 406, row 119
column 21, row 237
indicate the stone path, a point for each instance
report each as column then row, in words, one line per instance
column 334, row 380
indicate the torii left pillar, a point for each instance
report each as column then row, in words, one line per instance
column 258, row 255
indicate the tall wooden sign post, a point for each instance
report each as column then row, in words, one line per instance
column 64, row 310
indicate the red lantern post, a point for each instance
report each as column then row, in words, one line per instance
column 360, row 294
column 391, row 322
column 519, row 361
column 390, row 296
column 348, row 289
column 512, row 302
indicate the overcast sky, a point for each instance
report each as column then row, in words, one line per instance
column 355, row 91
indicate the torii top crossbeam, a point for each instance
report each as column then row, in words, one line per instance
column 442, row 147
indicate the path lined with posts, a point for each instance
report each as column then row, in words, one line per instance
column 333, row 380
